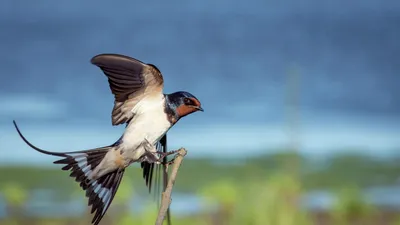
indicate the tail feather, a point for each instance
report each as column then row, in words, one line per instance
column 81, row 165
column 100, row 192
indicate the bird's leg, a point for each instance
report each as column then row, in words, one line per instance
column 149, row 157
column 151, row 152
column 159, row 161
column 165, row 154
column 172, row 160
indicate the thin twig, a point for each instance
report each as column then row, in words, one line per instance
column 166, row 196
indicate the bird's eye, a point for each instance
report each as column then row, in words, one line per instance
column 187, row 101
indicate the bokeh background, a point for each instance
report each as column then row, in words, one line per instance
column 301, row 99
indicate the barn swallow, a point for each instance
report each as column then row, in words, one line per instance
column 148, row 114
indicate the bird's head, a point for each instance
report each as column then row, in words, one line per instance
column 184, row 103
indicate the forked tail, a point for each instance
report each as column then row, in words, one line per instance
column 100, row 192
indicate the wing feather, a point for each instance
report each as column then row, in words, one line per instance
column 130, row 80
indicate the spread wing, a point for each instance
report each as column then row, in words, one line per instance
column 130, row 80
column 150, row 168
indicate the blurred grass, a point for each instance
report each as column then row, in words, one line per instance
column 253, row 191
column 328, row 173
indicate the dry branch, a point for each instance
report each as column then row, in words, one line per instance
column 166, row 195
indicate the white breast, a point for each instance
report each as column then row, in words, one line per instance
column 149, row 122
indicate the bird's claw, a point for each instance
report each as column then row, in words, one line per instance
column 152, row 154
column 151, row 150
column 163, row 155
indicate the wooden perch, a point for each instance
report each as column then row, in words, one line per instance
column 166, row 196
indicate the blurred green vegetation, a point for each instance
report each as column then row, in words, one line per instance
column 326, row 173
column 265, row 190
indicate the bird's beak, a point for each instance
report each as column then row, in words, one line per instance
column 199, row 108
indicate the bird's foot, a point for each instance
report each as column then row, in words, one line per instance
column 165, row 154
column 154, row 156
column 151, row 157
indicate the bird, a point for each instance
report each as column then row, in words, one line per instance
column 147, row 113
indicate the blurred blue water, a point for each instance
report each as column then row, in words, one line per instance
column 42, row 205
